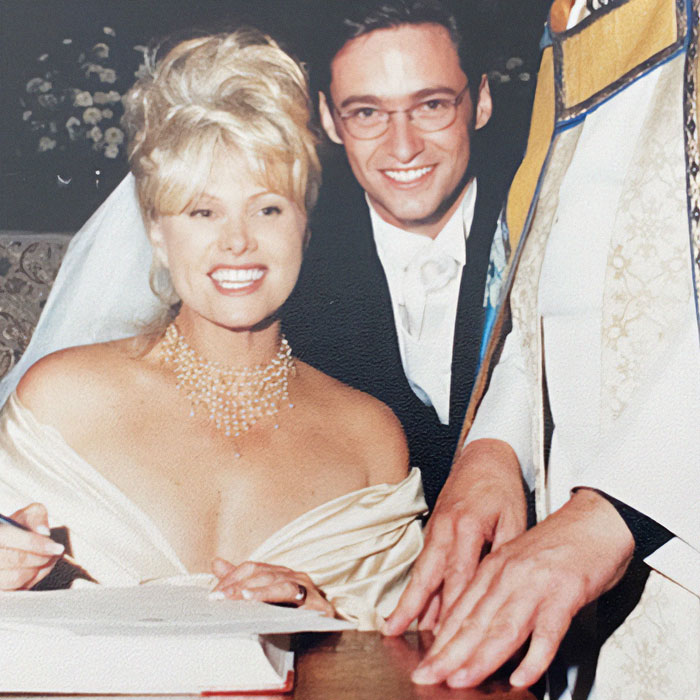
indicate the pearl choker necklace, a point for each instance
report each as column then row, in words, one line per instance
column 233, row 399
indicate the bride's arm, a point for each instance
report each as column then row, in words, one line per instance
column 386, row 444
column 375, row 433
column 360, row 426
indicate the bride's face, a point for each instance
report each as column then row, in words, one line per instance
column 234, row 254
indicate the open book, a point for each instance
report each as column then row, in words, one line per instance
column 160, row 639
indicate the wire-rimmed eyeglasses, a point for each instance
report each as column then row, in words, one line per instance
column 433, row 114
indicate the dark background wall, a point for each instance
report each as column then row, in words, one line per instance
column 55, row 187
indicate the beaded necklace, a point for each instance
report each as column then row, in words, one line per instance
column 234, row 399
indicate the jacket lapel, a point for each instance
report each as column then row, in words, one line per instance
column 470, row 309
column 373, row 306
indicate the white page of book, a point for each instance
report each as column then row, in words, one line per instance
column 159, row 609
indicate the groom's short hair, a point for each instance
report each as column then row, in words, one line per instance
column 361, row 17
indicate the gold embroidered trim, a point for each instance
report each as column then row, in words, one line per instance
column 617, row 44
column 692, row 153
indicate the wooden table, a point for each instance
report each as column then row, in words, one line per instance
column 366, row 666
column 353, row 665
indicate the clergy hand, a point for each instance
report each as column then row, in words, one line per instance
column 26, row 556
column 269, row 584
column 482, row 504
column 531, row 587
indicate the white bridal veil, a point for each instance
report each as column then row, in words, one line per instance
column 101, row 291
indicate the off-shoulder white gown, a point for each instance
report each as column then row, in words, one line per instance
column 358, row 548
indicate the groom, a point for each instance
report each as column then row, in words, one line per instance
column 391, row 294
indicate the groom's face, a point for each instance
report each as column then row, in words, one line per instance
column 413, row 178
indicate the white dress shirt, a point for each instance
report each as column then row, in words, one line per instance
column 424, row 276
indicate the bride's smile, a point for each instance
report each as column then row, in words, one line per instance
column 243, row 279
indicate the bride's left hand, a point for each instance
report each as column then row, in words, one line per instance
column 269, row 584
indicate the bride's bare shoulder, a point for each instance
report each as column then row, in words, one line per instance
column 361, row 420
column 71, row 381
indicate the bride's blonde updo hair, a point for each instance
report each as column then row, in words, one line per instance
column 237, row 90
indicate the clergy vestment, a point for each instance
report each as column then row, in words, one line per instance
column 603, row 298
column 340, row 318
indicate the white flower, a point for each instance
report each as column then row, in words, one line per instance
column 83, row 99
column 112, row 150
column 114, row 96
column 114, row 135
column 101, row 98
column 34, row 85
column 26, row 115
column 95, row 134
column 49, row 101
column 514, row 62
column 109, row 31
column 92, row 115
column 45, row 86
column 142, row 71
column 107, row 113
column 71, row 126
column 101, row 50
column 46, row 144
column 108, row 75
column 524, row 77
column 498, row 77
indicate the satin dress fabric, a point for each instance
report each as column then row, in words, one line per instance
column 357, row 548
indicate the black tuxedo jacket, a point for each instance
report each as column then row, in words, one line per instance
column 340, row 320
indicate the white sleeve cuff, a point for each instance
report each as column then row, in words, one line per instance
column 504, row 413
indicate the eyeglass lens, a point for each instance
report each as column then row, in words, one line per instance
column 371, row 122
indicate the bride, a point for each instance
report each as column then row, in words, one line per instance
column 202, row 443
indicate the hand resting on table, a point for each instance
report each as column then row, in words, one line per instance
column 481, row 506
column 531, row 587
column 269, row 584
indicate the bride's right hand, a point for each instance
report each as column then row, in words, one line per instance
column 26, row 556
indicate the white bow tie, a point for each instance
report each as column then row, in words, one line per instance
column 424, row 277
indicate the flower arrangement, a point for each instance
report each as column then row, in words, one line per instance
column 73, row 105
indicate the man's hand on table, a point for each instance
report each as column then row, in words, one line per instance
column 532, row 585
column 481, row 504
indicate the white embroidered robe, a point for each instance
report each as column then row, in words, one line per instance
column 603, row 305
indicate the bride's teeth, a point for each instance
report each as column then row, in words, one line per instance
column 234, row 278
column 408, row 175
